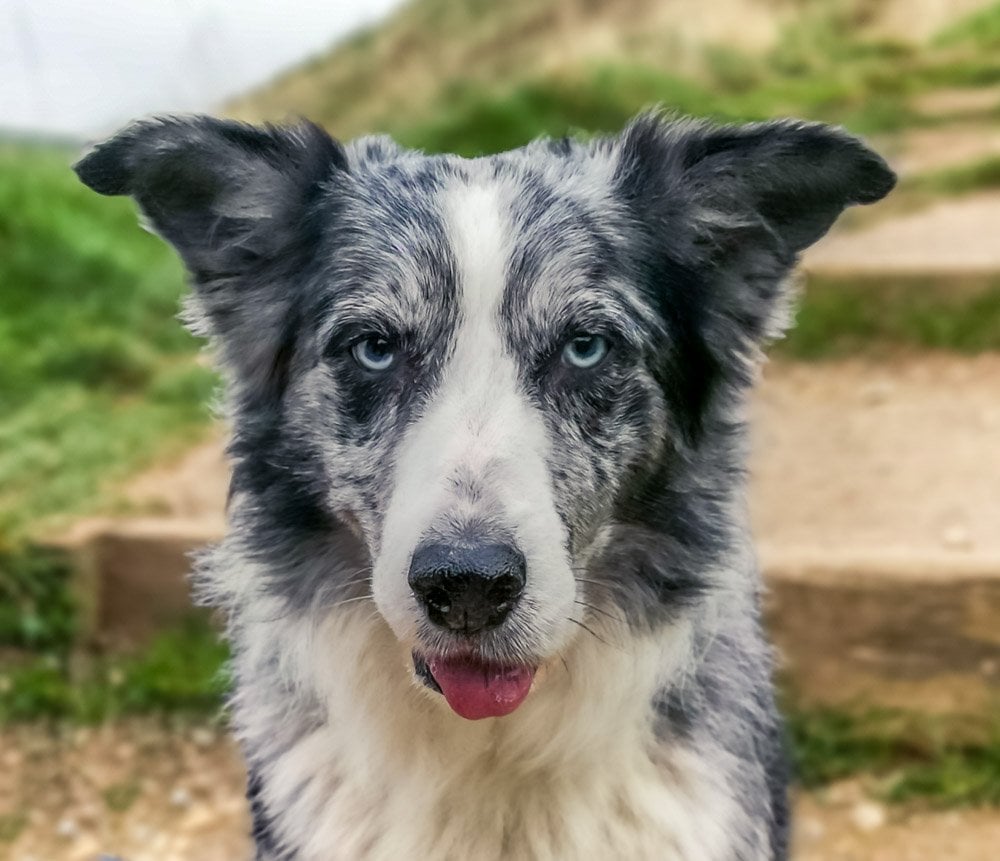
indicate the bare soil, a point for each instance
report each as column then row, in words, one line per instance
column 868, row 458
column 958, row 101
column 137, row 790
column 923, row 150
column 954, row 237
column 145, row 792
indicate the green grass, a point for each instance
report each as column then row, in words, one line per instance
column 96, row 374
column 837, row 318
column 475, row 121
column 980, row 29
column 181, row 671
column 978, row 175
column 37, row 607
column 913, row 758
column 819, row 69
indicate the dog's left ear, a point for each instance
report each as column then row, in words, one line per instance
column 724, row 212
column 739, row 203
column 237, row 202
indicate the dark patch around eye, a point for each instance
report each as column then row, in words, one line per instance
column 685, row 368
column 365, row 392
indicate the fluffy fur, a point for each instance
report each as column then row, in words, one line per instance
column 651, row 731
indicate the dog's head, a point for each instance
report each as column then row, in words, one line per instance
column 487, row 383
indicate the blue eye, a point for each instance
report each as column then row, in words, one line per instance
column 585, row 351
column 375, row 353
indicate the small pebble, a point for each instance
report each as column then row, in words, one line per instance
column 85, row 849
column 197, row 818
column 141, row 832
column 956, row 537
column 67, row 828
column 868, row 816
column 202, row 737
column 88, row 812
column 811, row 829
column 180, row 797
column 877, row 392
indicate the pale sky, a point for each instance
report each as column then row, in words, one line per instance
column 83, row 68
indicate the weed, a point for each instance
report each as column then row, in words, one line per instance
column 977, row 175
column 981, row 29
column 916, row 757
column 852, row 316
column 181, row 671
column 36, row 606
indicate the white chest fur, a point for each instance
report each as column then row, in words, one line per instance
column 575, row 773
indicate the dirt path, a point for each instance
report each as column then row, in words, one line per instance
column 955, row 237
column 930, row 149
column 868, row 457
column 151, row 794
column 134, row 790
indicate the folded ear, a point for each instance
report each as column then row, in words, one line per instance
column 726, row 211
column 236, row 202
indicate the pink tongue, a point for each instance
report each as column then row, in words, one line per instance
column 475, row 691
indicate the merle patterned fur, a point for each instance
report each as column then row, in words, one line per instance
column 674, row 240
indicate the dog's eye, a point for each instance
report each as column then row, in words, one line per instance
column 585, row 351
column 375, row 353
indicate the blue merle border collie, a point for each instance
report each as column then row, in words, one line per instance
column 488, row 576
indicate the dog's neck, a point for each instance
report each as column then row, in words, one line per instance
column 351, row 753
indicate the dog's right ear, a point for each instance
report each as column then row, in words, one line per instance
column 225, row 194
column 236, row 202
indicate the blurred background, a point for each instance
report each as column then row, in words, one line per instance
column 876, row 467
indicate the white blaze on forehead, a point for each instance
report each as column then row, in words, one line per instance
column 478, row 428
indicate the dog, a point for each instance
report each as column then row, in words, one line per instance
column 488, row 577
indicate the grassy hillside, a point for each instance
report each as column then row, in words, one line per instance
column 476, row 76
column 96, row 375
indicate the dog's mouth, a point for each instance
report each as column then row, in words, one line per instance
column 475, row 689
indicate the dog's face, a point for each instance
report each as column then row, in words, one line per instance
column 480, row 380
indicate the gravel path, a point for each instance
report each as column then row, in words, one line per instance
column 150, row 793
column 136, row 789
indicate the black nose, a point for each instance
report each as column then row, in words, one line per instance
column 467, row 589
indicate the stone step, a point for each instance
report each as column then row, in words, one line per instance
column 132, row 576
column 886, row 629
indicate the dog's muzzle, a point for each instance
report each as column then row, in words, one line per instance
column 469, row 590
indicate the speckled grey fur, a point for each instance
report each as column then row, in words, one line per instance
column 674, row 240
